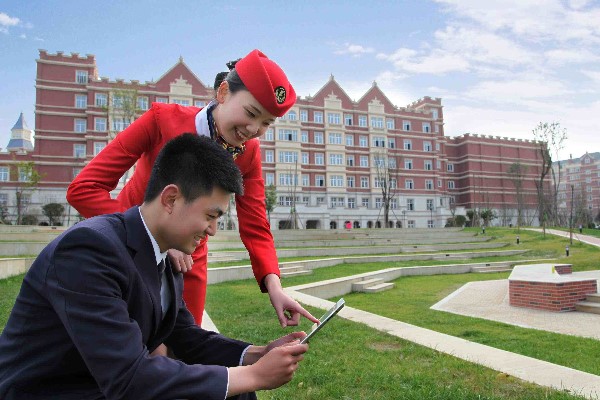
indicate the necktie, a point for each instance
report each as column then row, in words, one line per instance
column 162, row 281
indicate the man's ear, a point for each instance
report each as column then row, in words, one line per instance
column 222, row 91
column 168, row 196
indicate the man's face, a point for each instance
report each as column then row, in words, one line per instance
column 189, row 223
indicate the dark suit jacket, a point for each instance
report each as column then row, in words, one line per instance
column 89, row 313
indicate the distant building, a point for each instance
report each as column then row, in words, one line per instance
column 579, row 189
column 20, row 137
column 329, row 157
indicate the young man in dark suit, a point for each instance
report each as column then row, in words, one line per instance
column 99, row 298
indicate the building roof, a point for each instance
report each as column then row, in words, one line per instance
column 19, row 144
column 21, row 124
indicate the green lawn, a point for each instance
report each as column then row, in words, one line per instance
column 352, row 361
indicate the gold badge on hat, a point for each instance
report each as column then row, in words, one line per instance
column 280, row 94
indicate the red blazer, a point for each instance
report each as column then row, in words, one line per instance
column 141, row 142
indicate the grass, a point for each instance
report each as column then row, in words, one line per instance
column 352, row 361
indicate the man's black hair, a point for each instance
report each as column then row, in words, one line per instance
column 196, row 164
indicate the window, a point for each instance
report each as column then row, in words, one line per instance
column 142, row 103
column 378, row 161
column 270, row 179
column 349, row 140
column 362, row 121
column 351, row 202
column 3, row 199
column 285, row 200
column 304, row 158
column 81, row 76
column 337, row 202
column 288, row 157
column 80, row 125
column 439, row 184
column 427, row 146
column 392, row 143
column 303, row 115
column 336, row 180
column 411, row 224
column 24, row 174
column 4, row 174
column 410, row 204
column 304, row 136
column 450, row 167
column 393, row 183
column 408, row 164
column 335, row 138
column 348, row 119
column 289, row 135
column 76, row 172
column 377, row 122
column 450, row 184
column 98, row 146
column 378, row 183
column 406, row 125
column 434, row 113
column 79, row 150
column 350, row 181
column 378, row 141
column 118, row 124
column 318, row 117
column 288, row 179
column 181, row 102
column 101, row 99
column 365, row 202
column 117, row 101
column 426, row 127
column 269, row 135
column 305, row 180
column 162, row 100
column 392, row 163
column 364, row 182
column 378, row 202
column 428, row 165
column 334, row 118
column 320, row 200
column 429, row 184
column 407, row 144
column 292, row 116
column 389, row 122
column 430, row 223
column 336, row 159
column 437, row 147
column 409, row 184
column 199, row 103
column 438, row 164
column 319, row 138
column 363, row 141
column 269, row 156
column 320, row 182
column 100, row 124
column 80, row 101
column 364, row 161
column 319, row 159
column 350, row 160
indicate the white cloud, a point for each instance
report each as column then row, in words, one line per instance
column 7, row 21
column 565, row 56
column 23, row 36
column 516, row 92
column 355, row 50
column 593, row 75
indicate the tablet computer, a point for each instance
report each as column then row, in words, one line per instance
column 323, row 320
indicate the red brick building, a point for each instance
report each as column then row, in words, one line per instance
column 328, row 157
column 579, row 189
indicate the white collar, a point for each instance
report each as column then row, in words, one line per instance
column 157, row 254
column 202, row 120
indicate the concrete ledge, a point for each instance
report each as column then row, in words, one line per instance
column 14, row 266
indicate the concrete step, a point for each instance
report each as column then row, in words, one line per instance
column 362, row 285
column 593, row 298
column 295, row 273
column 292, row 268
column 588, row 307
column 483, row 270
column 379, row 288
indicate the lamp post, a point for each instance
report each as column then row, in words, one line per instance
column 571, row 216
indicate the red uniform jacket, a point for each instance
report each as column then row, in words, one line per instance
column 141, row 142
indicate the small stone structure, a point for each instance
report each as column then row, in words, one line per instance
column 550, row 287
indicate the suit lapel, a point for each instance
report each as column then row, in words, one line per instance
column 143, row 257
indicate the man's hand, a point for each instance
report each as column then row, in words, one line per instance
column 288, row 310
column 180, row 261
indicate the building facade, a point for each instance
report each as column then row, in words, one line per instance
column 333, row 161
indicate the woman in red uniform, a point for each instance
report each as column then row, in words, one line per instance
column 254, row 93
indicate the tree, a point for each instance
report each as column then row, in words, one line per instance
column 28, row 179
column 551, row 139
column 270, row 199
column 487, row 216
column 517, row 172
column 386, row 178
column 54, row 212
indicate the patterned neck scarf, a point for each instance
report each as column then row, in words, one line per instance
column 214, row 134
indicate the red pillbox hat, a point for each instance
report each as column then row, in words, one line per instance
column 267, row 82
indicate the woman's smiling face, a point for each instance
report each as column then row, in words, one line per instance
column 239, row 116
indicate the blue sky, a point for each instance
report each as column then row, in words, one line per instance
column 500, row 68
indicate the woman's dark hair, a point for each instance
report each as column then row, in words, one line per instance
column 196, row 164
column 232, row 78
